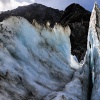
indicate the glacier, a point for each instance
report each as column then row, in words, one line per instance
column 36, row 61
column 94, row 51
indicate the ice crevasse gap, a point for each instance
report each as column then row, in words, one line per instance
column 36, row 62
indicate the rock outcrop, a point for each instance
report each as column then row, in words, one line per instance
column 78, row 19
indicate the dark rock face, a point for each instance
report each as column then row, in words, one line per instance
column 39, row 12
column 78, row 19
column 74, row 15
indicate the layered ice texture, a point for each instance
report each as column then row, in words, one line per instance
column 36, row 62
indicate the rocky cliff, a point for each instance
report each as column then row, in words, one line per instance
column 78, row 19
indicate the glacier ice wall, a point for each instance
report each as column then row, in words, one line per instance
column 35, row 60
column 93, row 51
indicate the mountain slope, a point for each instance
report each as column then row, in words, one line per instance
column 39, row 12
column 75, row 13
